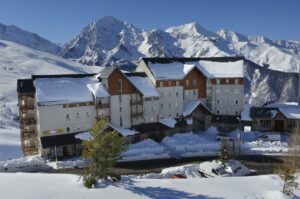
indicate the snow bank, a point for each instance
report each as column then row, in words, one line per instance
column 261, row 147
column 146, row 149
column 189, row 144
column 25, row 164
column 67, row 164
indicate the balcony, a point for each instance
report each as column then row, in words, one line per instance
column 28, row 121
column 133, row 103
column 136, row 115
column 103, row 106
column 29, row 133
column 26, row 107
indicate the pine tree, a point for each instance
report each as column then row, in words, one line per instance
column 102, row 152
column 288, row 171
column 224, row 152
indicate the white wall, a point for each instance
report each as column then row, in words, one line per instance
column 151, row 110
column 52, row 118
column 171, row 103
column 227, row 95
column 124, row 114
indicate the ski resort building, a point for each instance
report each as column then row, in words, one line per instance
column 163, row 96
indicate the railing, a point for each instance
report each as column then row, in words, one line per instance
column 29, row 133
column 132, row 103
column 27, row 107
column 134, row 115
column 103, row 105
column 28, row 121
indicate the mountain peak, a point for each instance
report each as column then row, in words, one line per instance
column 231, row 35
column 192, row 28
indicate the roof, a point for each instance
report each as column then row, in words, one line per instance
column 170, row 122
column 263, row 112
column 25, row 86
column 98, row 90
column 163, row 60
column 178, row 68
column 106, row 72
column 143, row 85
column 290, row 110
column 150, row 127
column 191, row 106
column 53, row 91
column 124, row 132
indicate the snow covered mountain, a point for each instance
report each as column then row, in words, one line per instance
column 31, row 40
column 111, row 41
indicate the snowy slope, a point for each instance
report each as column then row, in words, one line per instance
column 31, row 40
column 48, row 186
column 17, row 62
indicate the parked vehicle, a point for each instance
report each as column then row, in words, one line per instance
column 270, row 137
column 224, row 137
column 178, row 176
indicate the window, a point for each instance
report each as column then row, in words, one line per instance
column 177, row 94
column 177, row 115
column 87, row 114
column 236, row 81
column 161, row 84
column 218, row 81
column 227, row 81
column 187, row 82
column 151, row 119
column 186, row 93
column 177, row 83
column 226, row 112
column 292, row 124
column 195, row 82
column 218, row 101
column 194, row 92
column 161, row 105
column 169, row 83
column 236, row 102
column 236, row 112
column 67, row 117
column 68, row 129
column 120, row 109
column 162, row 95
column 218, row 111
column 77, row 115
column 176, row 104
column 121, row 122
column 170, row 105
column 120, row 85
column 265, row 123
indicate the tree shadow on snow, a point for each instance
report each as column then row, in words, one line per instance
column 161, row 192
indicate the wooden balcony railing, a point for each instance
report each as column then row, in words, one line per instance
column 135, row 115
column 103, row 105
column 28, row 121
column 132, row 102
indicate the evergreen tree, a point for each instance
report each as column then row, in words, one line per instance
column 102, row 152
column 224, row 152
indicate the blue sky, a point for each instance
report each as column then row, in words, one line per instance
column 61, row 20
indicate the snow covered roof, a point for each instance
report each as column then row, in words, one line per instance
column 211, row 69
column 124, row 132
column 63, row 90
column 170, row 122
column 144, row 85
column 98, row 89
column 221, row 69
column 86, row 136
column 290, row 110
column 245, row 115
column 168, row 71
column 191, row 106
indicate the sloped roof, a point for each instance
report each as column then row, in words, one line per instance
column 192, row 105
column 98, row 90
column 177, row 68
column 290, row 110
column 144, row 86
column 106, row 72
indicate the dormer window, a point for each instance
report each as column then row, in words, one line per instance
column 227, row 81
column 218, row 81
column 236, row 81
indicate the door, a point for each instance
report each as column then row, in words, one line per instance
column 279, row 125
